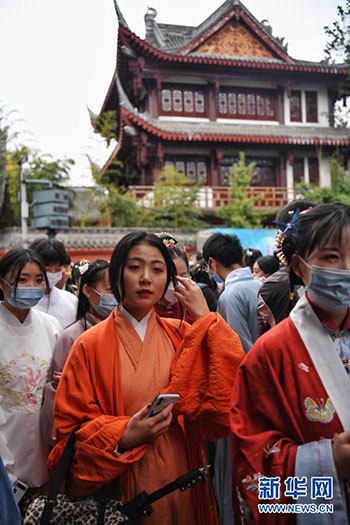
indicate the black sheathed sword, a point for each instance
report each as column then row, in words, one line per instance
column 141, row 505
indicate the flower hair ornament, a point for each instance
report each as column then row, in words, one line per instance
column 83, row 266
column 169, row 242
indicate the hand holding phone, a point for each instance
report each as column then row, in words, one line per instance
column 161, row 401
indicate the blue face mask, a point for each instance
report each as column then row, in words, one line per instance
column 107, row 303
column 24, row 297
column 330, row 288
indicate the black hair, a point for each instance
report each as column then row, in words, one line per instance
column 200, row 274
column 15, row 260
column 226, row 249
column 91, row 277
column 67, row 260
column 286, row 213
column 120, row 256
column 269, row 264
column 315, row 228
column 250, row 255
column 51, row 251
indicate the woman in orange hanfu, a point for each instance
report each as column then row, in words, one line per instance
column 116, row 368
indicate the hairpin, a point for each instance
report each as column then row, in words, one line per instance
column 289, row 225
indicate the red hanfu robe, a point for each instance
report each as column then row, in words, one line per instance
column 291, row 390
column 92, row 391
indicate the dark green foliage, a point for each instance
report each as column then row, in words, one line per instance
column 241, row 212
column 339, row 192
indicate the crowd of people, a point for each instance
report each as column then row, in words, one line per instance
column 255, row 347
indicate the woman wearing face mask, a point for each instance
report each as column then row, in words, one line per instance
column 169, row 306
column 290, row 404
column 95, row 304
column 28, row 338
column 59, row 303
column 116, row 369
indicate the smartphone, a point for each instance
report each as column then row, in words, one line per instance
column 19, row 489
column 161, row 401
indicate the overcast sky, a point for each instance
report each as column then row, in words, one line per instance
column 57, row 57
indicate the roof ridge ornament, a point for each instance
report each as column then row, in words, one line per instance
column 151, row 12
column 120, row 16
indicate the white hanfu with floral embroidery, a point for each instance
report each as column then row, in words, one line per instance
column 25, row 357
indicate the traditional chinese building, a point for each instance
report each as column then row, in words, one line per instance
column 194, row 97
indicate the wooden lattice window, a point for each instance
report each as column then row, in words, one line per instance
column 295, row 106
column 180, row 166
column 242, row 103
column 232, row 103
column 222, row 103
column 183, row 101
column 311, row 106
column 199, row 101
column 166, row 100
column 195, row 168
column 188, row 101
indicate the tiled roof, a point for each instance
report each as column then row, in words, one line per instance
column 129, row 39
column 76, row 238
column 176, row 37
column 232, row 132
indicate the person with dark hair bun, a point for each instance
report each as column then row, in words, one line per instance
column 116, row 368
column 265, row 266
column 290, row 417
column 95, row 304
column 28, row 338
column 200, row 274
column 56, row 302
column 277, row 295
column 250, row 255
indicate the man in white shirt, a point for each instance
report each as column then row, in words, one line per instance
column 58, row 303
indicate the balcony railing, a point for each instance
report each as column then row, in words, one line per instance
column 213, row 197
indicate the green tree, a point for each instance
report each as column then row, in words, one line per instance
column 41, row 167
column 339, row 35
column 240, row 212
column 338, row 48
column 174, row 202
column 120, row 209
column 117, row 208
column 106, row 125
column 340, row 186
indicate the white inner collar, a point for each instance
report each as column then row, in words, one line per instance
column 139, row 326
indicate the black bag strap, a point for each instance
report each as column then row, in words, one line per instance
column 60, row 475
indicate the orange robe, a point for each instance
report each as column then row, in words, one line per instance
column 111, row 374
